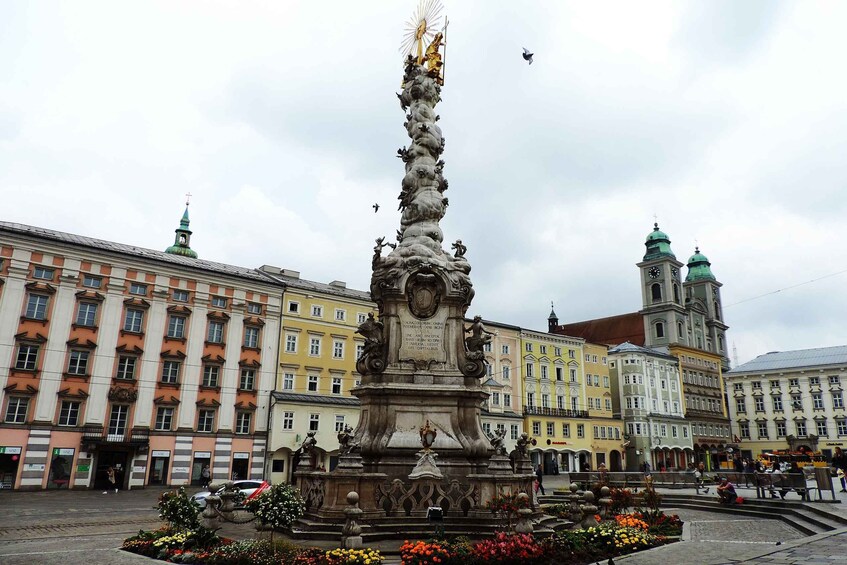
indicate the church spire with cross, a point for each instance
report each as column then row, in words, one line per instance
column 182, row 240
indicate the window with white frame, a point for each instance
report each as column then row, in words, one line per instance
column 133, row 320
column 251, row 337
column 821, row 428
column 360, row 348
column 254, row 308
column 293, row 307
column 529, row 373
column 817, row 401
column 542, row 349
column 248, row 379
column 290, row 343
column 216, row 332
column 530, row 400
column 340, row 315
column 841, row 426
column 545, row 401
column 138, row 288
column 164, row 418
column 361, row 318
column 504, row 349
column 608, row 404
column 211, row 374
column 801, row 428
column 506, row 372
column 27, row 358
column 312, row 385
column 486, row 427
column 78, row 362
column 314, row 346
column 86, row 314
column 337, row 349
column 544, row 372
column 288, row 420
column 91, row 281
column 507, row 400
column 205, row 420
column 219, row 302
column 551, row 429
column 834, row 380
column 288, row 381
column 837, row 400
column 314, row 422
column 514, row 431
column 180, row 295
column 242, row 422
column 176, row 326
column 566, row 430
column 339, row 422
column 336, row 385
column 573, row 375
column 317, row 311
column 536, row 428
column 69, row 413
column 118, row 418
column 580, row 430
column 495, row 398
column 170, row 372
column 780, row 429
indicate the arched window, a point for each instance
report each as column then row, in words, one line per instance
column 720, row 343
column 656, row 291
column 676, row 293
column 679, row 330
column 717, row 310
column 660, row 329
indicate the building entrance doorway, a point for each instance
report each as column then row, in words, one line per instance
column 118, row 461
column 10, row 458
column 240, row 469
column 159, row 470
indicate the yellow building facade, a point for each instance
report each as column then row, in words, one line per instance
column 555, row 408
column 504, row 408
column 316, row 369
column 606, row 431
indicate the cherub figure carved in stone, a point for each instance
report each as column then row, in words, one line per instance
column 308, row 444
column 478, row 338
column 498, row 440
column 345, row 441
column 522, row 444
column 460, row 248
column 380, row 243
column 371, row 330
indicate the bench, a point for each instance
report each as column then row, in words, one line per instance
column 784, row 482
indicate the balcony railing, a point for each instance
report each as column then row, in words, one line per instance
column 536, row 411
column 95, row 434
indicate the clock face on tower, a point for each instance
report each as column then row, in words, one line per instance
column 674, row 272
column 654, row 272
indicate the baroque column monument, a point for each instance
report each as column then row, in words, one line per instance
column 419, row 441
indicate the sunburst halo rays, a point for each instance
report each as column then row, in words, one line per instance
column 428, row 13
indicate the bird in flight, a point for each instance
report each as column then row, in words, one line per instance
column 527, row 56
column 376, row 208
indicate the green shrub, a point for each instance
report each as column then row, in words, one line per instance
column 179, row 510
column 278, row 506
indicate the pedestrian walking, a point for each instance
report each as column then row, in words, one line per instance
column 206, row 475
column 110, row 476
column 839, row 461
column 539, row 480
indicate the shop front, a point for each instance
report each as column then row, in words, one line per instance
column 10, row 460
column 160, row 462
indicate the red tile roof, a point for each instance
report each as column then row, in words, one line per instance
column 611, row 331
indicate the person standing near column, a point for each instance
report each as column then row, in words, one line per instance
column 839, row 461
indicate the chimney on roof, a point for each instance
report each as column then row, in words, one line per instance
column 290, row 273
column 270, row 269
column 338, row 284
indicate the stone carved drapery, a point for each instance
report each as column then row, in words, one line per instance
column 122, row 394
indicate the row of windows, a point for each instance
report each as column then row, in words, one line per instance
column 488, row 348
column 36, row 309
column 545, row 372
column 557, row 351
column 70, row 413
column 514, row 430
column 594, row 380
column 639, row 403
column 776, row 384
column 551, row 429
column 796, row 402
column 704, row 404
column 317, row 311
column 822, row 428
column 291, row 342
column 711, row 430
column 313, row 383
column 659, row 430
column 697, row 378
column 590, row 358
column 494, row 399
column 545, row 401
column 595, row 404
column 607, row 432
column 127, row 365
column 314, row 422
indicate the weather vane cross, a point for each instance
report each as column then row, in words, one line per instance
column 187, row 198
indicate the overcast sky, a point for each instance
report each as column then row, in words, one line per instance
column 724, row 119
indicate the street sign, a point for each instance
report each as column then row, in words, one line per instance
column 10, row 450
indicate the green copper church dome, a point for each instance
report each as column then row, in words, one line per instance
column 658, row 245
column 699, row 268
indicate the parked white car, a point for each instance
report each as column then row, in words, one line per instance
column 245, row 487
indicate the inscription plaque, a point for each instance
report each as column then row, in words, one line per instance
column 422, row 340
